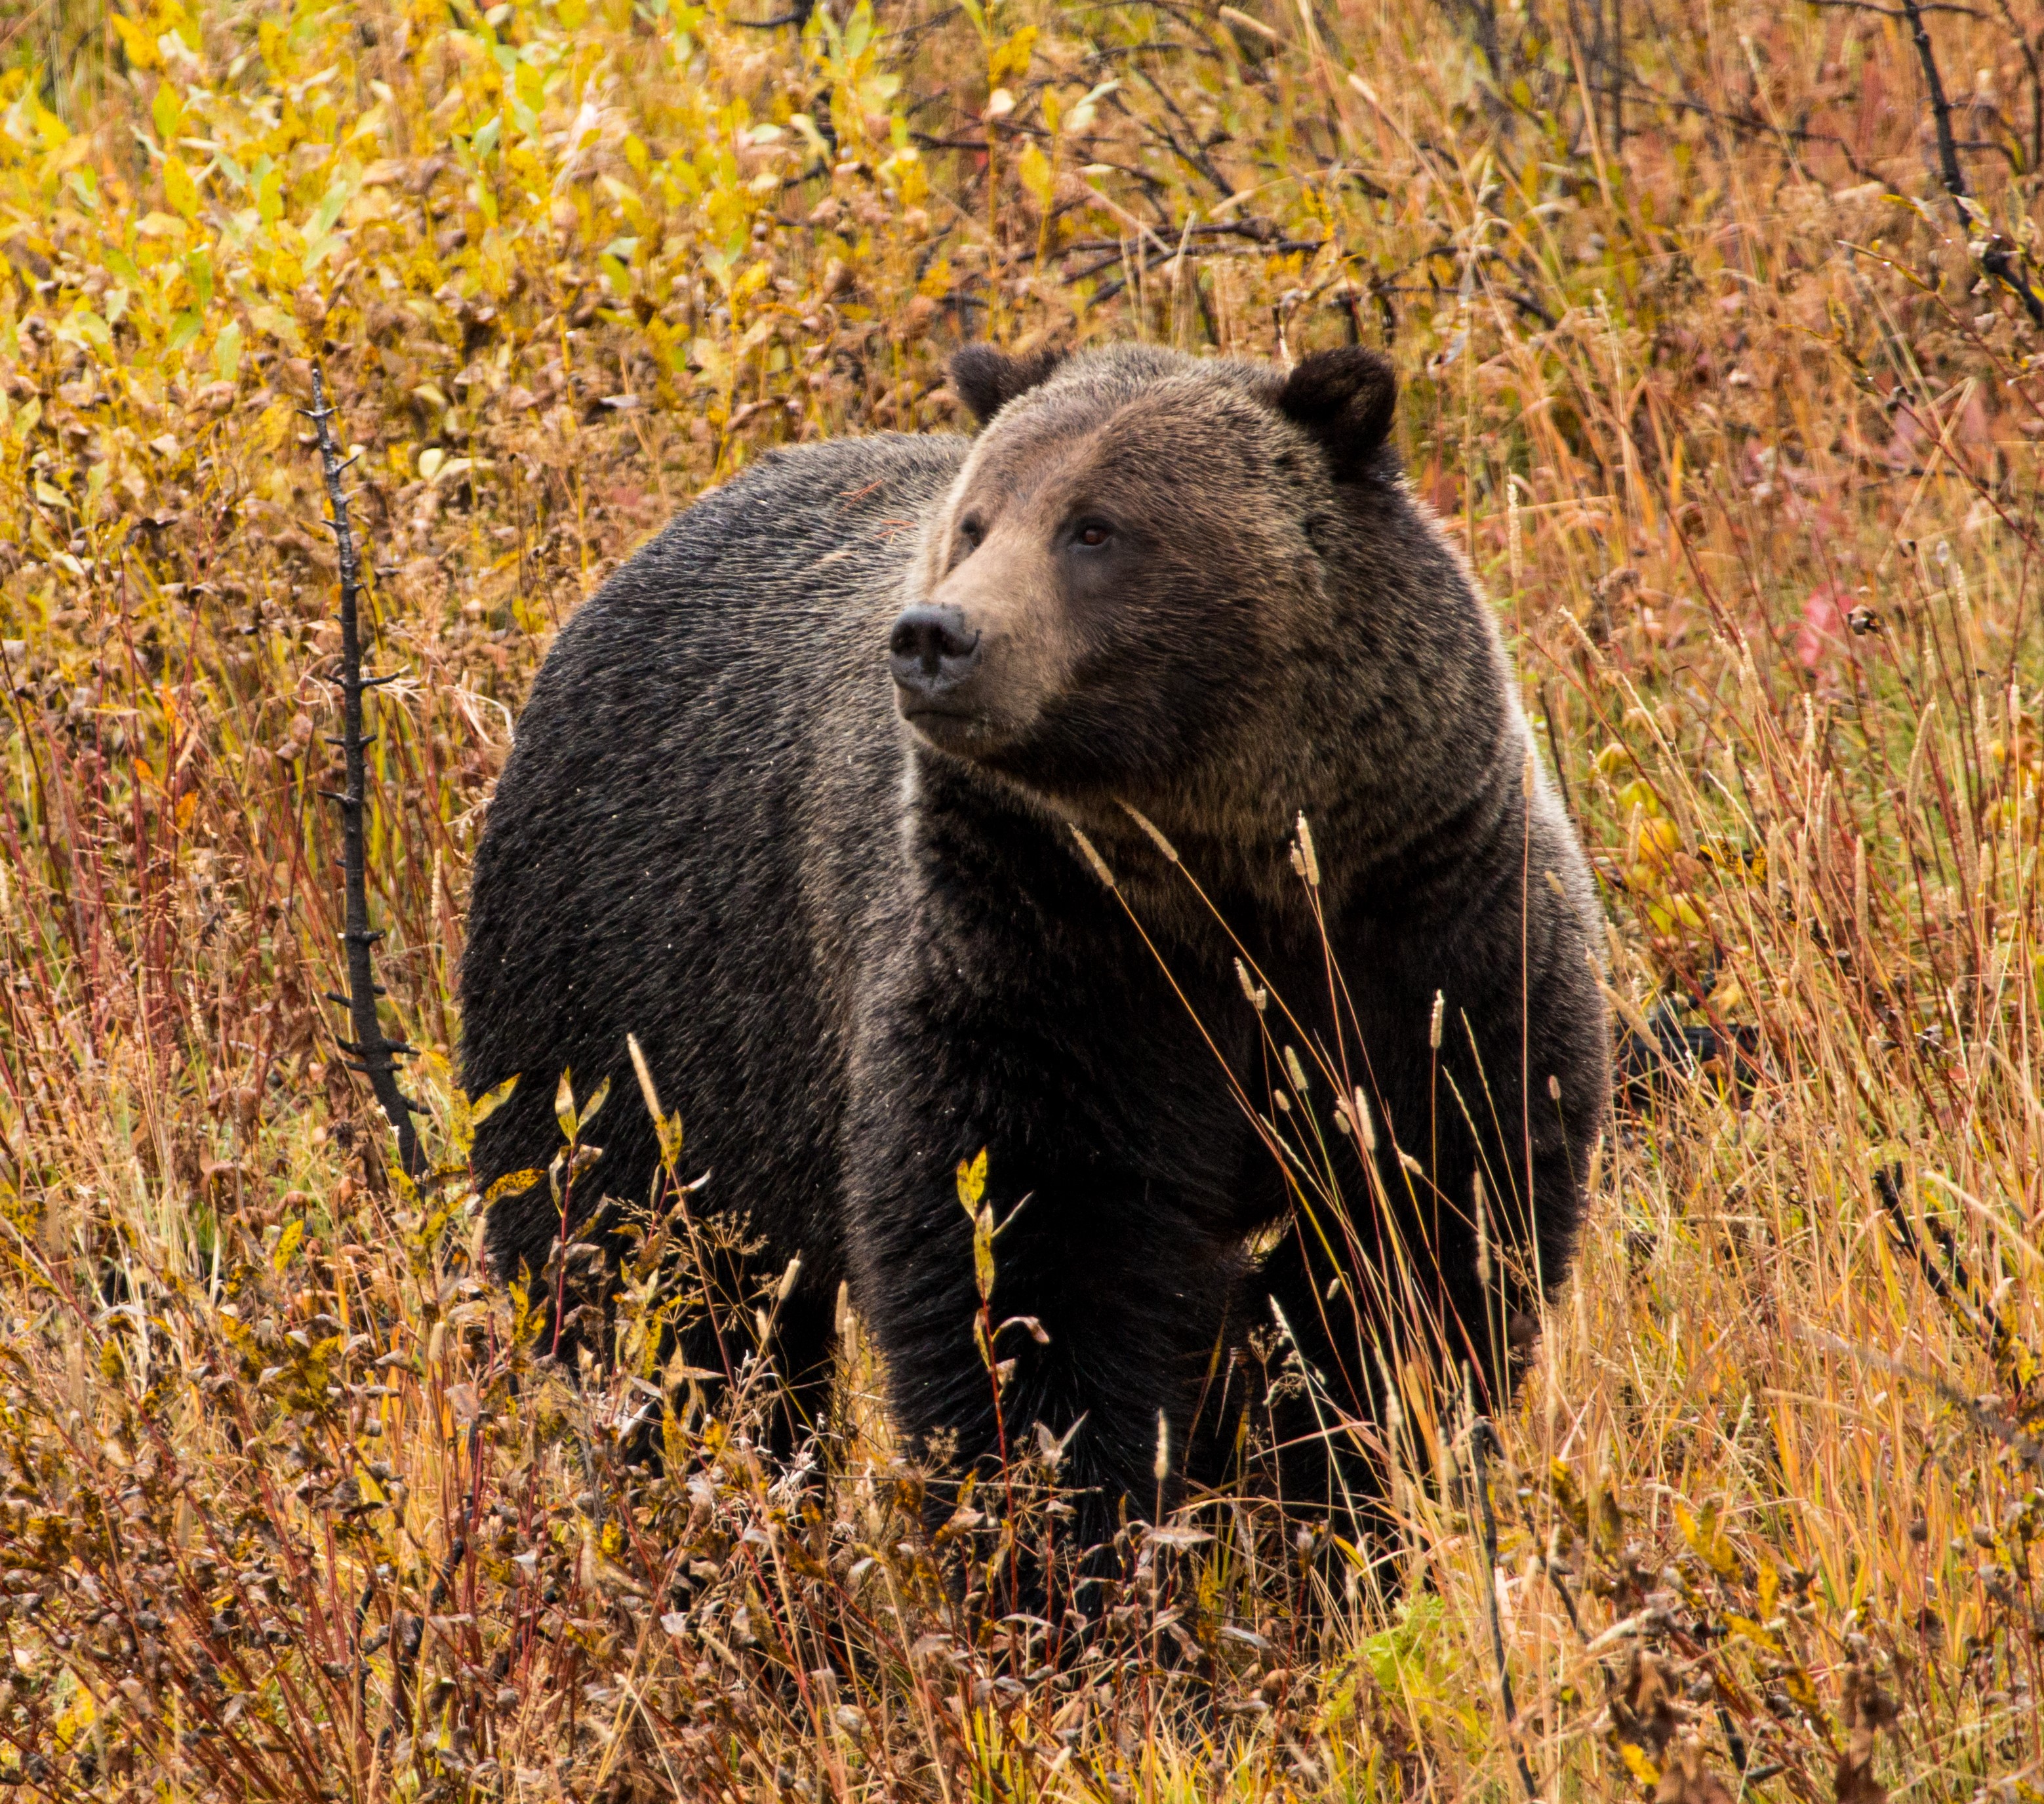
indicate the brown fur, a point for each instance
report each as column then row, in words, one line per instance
column 1377, row 713
column 859, row 948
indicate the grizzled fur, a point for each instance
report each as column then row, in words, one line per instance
column 851, row 924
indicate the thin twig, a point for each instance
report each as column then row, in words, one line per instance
column 1994, row 255
column 1897, row 12
column 1994, row 1332
column 1483, row 1443
column 369, row 1052
column 1941, row 108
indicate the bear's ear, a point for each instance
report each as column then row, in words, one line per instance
column 1344, row 399
column 986, row 378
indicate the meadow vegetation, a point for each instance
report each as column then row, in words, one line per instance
column 1719, row 333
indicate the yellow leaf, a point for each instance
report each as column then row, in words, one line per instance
column 1658, row 841
column 1752, row 1630
column 77, row 1716
column 1013, row 57
column 972, row 1181
column 982, row 1251
column 511, row 1182
column 1666, row 916
column 180, row 189
column 136, row 41
column 288, row 1243
column 522, row 1312
column 1639, row 793
column 1707, row 1540
column 1034, row 167
column 490, row 1101
column 1637, row 1763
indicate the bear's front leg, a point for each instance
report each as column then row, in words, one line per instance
column 1111, row 1267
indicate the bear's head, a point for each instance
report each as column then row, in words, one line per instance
column 1128, row 573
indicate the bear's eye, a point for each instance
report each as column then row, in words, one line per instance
column 1092, row 534
column 971, row 532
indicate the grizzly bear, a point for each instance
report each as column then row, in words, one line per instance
column 1069, row 792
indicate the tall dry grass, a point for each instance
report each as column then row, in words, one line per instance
column 1699, row 363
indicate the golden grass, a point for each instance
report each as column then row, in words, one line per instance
column 1740, row 434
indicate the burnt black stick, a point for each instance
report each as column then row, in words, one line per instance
column 369, row 1052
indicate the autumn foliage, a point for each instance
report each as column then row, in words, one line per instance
column 1733, row 403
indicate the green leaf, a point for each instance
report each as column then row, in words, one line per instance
column 83, row 326
column 333, row 203
column 167, row 111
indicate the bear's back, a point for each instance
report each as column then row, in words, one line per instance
column 645, row 868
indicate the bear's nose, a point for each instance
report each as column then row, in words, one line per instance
column 931, row 650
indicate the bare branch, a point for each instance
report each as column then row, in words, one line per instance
column 369, row 1052
column 1994, row 256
